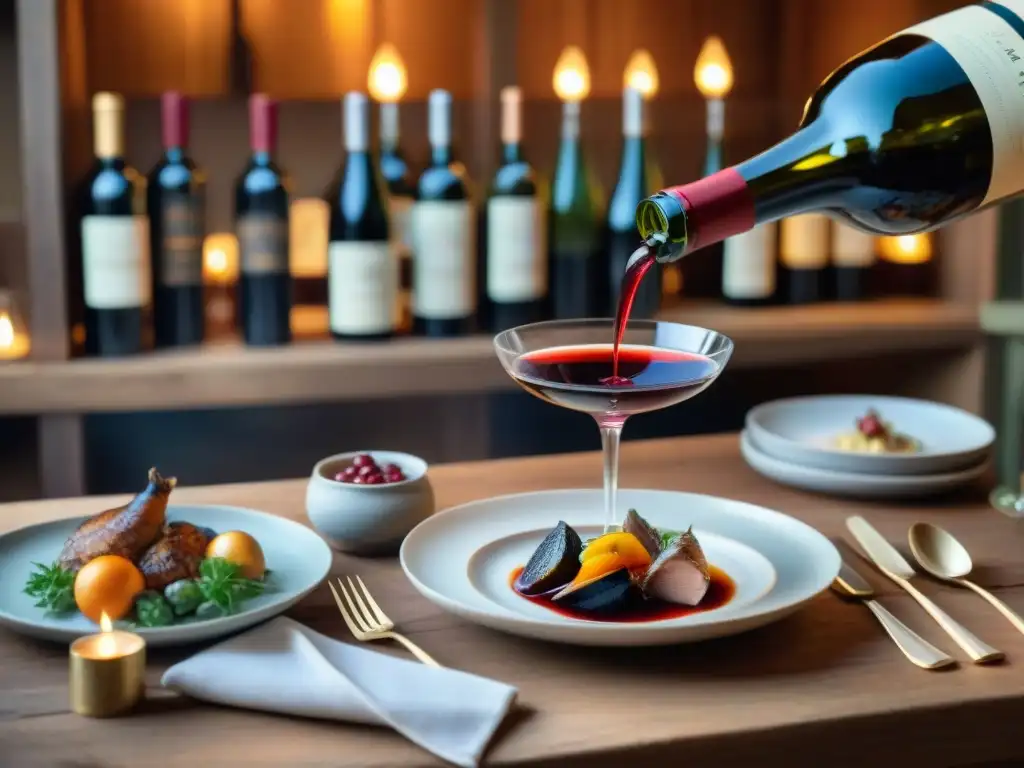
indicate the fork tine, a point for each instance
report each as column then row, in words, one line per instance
column 356, row 615
column 344, row 613
column 371, row 618
column 381, row 616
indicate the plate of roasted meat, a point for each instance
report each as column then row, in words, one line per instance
column 676, row 568
column 171, row 573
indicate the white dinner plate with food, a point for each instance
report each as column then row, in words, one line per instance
column 873, row 434
column 693, row 568
column 296, row 559
column 859, row 485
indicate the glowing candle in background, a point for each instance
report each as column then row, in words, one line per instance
column 906, row 265
column 220, row 274
column 15, row 343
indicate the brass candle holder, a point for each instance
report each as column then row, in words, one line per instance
column 108, row 670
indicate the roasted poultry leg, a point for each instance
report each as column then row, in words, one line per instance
column 176, row 555
column 125, row 531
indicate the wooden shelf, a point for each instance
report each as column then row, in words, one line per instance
column 229, row 374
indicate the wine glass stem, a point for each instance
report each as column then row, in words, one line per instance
column 610, row 438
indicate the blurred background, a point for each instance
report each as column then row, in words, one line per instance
column 722, row 80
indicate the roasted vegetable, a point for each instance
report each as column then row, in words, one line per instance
column 152, row 610
column 209, row 610
column 53, row 587
column 184, row 596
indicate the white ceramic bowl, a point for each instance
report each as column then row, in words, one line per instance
column 800, row 431
column 368, row 519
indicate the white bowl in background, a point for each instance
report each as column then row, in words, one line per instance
column 800, row 430
column 368, row 519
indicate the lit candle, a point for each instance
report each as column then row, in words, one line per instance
column 220, row 273
column 713, row 75
column 571, row 82
column 107, row 673
column 906, row 249
column 14, row 340
column 387, row 82
column 641, row 74
column 906, row 265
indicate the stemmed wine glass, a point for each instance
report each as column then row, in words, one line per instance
column 571, row 363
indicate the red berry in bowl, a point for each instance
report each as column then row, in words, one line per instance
column 377, row 479
column 394, row 477
column 364, row 460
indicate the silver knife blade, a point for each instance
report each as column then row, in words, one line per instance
column 878, row 549
column 853, row 582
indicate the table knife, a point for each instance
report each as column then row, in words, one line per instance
column 891, row 563
column 914, row 647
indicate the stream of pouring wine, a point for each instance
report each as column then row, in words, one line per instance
column 637, row 266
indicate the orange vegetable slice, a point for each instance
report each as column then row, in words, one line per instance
column 626, row 546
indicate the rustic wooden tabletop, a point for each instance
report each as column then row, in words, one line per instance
column 825, row 687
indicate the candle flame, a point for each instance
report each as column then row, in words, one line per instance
column 713, row 70
column 220, row 257
column 572, row 75
column 906, row 249
column 106, row 625
column 387, row 79
column 6, row 331
column 642, row 74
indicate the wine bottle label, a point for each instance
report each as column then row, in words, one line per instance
column 516, row 268
column 991, row 54
column 803, row 241
column 181, row 257
column 262, row 244
column 362, row 282
column 444, row 260
column 748, row 263
column 115, row 262
column 851, row 247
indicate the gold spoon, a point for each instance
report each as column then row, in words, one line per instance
column 939, row 553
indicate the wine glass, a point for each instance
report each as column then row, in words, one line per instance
column 570, row 363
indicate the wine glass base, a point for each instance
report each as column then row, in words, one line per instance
column 1007, row 501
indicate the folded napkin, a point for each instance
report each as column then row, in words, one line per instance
column 285, row 667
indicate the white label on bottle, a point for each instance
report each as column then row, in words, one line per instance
column 115, row 261
column 748, row 263
column 444, row 259
column 362, row 284
column 399, row 210
column 991, row 54
column 803, row 241
column 851, row 247
column 516, row 268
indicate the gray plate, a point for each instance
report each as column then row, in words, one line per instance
column 296, row 556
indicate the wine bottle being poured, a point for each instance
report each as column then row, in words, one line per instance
column 917, row 131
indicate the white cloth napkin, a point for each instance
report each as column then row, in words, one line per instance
column 285, row 667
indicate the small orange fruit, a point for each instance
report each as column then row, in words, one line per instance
column 108, row 584
column 241, row 549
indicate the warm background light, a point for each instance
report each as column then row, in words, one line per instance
column 572, row 75
column 641, row 74
column 713, row 71
column 14, row 340
column 906, row 249
column 387, row 80
column 309, row 218
column 220, row 258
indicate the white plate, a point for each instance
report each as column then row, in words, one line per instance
column 855, row 484
column 461, row 560
column 296, row 556
column 800, row 430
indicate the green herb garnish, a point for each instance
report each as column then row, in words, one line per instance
column 668, row 537
column 53, row 587
column 152, row 610
column 222, row 584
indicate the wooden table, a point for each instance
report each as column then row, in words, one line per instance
column 825, row 687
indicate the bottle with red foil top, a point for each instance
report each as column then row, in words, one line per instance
column 176, row 205
column 923, row 128
column 261, row 224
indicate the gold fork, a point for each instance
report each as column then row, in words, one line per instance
column 367, row 624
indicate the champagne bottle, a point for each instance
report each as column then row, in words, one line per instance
column 919, row 130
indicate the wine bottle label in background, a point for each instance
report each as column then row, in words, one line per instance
column 262, row 244
column 516, row 271
column 115, row 262
column 399, row 211
column 803, row 241
column 990, row 53
column 362, row 280
column 851, row 247
column 444, row 264
column 181, row 260
column 748, row 263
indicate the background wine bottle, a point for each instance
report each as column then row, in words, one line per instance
column 444, row 235
column 915, row 132
column 261, row 224
column 115, row 240
column 401, row 193
column 632, row 186
column 362, row 272
column 803, row 256
column 853, row 260
column 515, row 270
column 749, row 266
column 176, row 204
column 577, row 275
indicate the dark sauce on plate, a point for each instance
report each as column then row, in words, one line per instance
column 638, row 610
